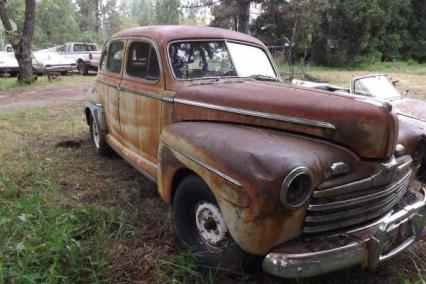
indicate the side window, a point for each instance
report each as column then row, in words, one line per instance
column 142, row 61
column 115, row 57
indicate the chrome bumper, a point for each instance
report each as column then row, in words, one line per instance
column 368, row 253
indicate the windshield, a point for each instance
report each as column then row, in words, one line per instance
column 206, row 59
column 376, row 86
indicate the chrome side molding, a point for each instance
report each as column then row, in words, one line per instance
column 271, row 116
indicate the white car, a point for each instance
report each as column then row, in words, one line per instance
column 51, row 61
column 8, row 62
column 85, row 55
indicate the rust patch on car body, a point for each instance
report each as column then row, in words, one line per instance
column 321, row 114
column 258, row 160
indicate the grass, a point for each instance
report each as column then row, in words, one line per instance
column 8, row 84
column 44, row 237
column 68, row 216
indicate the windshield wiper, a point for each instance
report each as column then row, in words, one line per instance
column 261, row 77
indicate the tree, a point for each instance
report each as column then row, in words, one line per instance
column 243, row 15
column 416, row 45
column 232, row 14
column 225, row 15
column 55, row 23
column 167, row 12
column 21, row 42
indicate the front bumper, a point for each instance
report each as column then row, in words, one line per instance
column 92, row 64
column 367, row 247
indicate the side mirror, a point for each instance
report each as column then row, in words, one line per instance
column 395, row 82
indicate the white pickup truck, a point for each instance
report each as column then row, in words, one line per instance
column 85, row 55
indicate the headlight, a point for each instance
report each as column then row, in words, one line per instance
column 296, row 188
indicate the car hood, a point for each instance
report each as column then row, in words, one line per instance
column 411, row 108
column 7, row 59
column 368, row 129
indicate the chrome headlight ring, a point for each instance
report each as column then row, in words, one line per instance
column 296, row 188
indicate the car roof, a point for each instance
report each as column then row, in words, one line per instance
column 76, row 42
column 164, row 34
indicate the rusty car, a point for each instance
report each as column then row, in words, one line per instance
column 307, row 180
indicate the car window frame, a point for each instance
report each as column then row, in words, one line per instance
column 153, row 43
column 108, row 45
column 265, row 50
column 103, row 53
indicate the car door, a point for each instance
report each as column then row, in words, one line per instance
column 108, row 84
column 140, row 104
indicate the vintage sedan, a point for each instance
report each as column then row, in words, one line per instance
column 310, row 180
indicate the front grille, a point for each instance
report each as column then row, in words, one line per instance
column 330, row 210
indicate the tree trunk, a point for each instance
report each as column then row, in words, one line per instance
column 21, row 44
column 243, row 16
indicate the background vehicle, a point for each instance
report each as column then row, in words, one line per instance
column 379, row 87
column 45, row 61
column 8, row 63
column 85, row 55
column 311, row 181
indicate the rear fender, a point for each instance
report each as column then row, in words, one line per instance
column 94, row 109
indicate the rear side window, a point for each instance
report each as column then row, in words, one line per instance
column 79, row 47
column 143, row 61
column 115, row 57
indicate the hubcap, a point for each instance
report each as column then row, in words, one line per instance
column 95, row 134
column 210, row 224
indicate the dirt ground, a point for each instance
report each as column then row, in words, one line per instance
column 41, row 97
column 147, row 255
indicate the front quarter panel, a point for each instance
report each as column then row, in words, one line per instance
column 245, row 167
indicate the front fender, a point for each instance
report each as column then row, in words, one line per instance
column 244, row 167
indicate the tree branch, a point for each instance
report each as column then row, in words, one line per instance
column 11, row 34
column 202, row 5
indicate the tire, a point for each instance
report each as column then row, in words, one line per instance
column 98, row 140
column 192, row 203
column 82, row 69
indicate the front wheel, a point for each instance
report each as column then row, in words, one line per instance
column 201, row 227
column 101, row 147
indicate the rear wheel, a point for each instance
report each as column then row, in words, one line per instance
column 98, row 139
column 82, row 68
column 201, row 227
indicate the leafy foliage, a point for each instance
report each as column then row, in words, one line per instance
column 342, row 32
